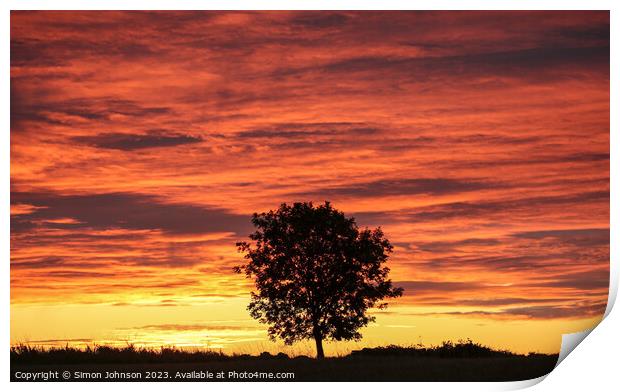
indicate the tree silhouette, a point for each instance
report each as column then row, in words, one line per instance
column 316, row 273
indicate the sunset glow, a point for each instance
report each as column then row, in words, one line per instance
column 142, row 142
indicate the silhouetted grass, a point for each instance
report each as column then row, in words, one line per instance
column 26, row 354
column 451, row 361
column 448, row 349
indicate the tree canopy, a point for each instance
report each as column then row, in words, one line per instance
column 316, row 273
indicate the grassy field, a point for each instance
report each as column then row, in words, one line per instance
column 461, row 361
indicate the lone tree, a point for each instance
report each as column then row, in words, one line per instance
column 316, row 273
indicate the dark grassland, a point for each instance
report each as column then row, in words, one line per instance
column 460, row 361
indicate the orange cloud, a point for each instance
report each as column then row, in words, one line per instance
column 141, row 143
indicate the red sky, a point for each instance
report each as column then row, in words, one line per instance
column 141, row 143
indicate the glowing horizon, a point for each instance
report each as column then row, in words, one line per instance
column 142, row 142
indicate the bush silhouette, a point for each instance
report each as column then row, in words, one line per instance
column 316, row 273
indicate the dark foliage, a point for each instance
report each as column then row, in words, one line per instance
column 448, row 349
column 316, row 273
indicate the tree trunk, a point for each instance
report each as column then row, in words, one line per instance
column 319, row 346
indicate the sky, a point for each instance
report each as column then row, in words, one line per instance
column 142, row 142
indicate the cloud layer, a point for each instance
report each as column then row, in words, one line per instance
column 142, row 142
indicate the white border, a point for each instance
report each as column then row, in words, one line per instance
column 596, row 357
column 309, row 5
